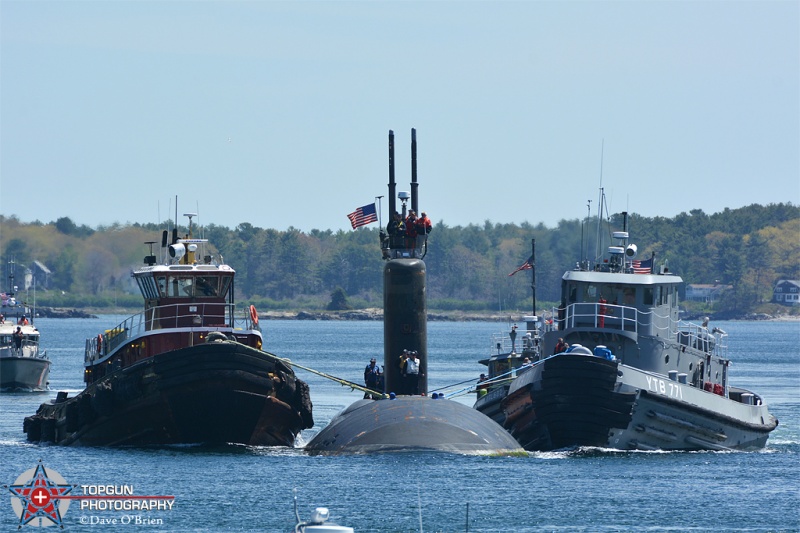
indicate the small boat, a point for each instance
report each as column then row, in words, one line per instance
column 505, row 363
column 187, row 369
column 635, row 376
column 318, row 523
column 23, row 366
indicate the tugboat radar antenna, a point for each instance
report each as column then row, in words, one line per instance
column 150, row 260
column 190, row 215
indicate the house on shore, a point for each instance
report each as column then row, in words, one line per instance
column 786, row 292
column 708, row 293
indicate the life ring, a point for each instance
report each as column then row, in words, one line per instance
column 253, row 315
column 100, row 343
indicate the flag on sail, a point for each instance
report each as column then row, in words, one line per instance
column 527, row 265
column 642, row 267
column 363, row 216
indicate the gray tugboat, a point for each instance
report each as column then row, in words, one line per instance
column 634, row 376
column 507, row 359
column 187, row 369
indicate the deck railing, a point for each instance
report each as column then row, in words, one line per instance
column 501, row 342
column 404, row 247
column 163, row 317
column 612, row 318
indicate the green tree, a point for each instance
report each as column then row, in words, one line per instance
column 338, row 300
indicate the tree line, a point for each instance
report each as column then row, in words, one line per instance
column 468, row 267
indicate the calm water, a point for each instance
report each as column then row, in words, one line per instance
column 238, row 488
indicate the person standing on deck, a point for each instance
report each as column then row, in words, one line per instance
column 403, row 380
column 513, row 335
column 424, row 225
column 372, row 378
column 412, row 373
column 396, row 230
column 18, row 338
column 601, row 312
column 561, row 346
column 411, row 229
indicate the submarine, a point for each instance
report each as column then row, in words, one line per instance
column 405, row 418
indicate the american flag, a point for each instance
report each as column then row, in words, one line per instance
column 642, row 267
column 363, row 216
column 527, row 265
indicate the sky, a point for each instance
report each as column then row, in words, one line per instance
column 277, row 114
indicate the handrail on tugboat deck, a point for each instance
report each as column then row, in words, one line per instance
column 165, row 317
column 630, row 319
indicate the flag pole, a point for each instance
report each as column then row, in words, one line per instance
column 380, row 219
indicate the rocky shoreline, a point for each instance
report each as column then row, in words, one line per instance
column 62, row 312
column 459, row 316
column 376, row 314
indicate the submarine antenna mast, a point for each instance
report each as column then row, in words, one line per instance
column 392, row 186
column 414, row 184
column 533, row 273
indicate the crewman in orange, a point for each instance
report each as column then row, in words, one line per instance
column 424, row 226
column 601, row 320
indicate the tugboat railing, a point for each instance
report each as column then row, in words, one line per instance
column 501, row 343
column 629, row 319
column 167, row 317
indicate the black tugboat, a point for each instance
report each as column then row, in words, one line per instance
column 187, row 369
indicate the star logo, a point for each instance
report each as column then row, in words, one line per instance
column 38, row 497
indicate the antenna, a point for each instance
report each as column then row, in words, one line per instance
column 150, row 260
column 599, row 202
column 190, row 215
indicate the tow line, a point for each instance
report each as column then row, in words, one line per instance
column 343, row 382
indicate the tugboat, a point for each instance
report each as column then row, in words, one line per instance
column 23, row 367
column 634, row 376
column 187, row 369
column 505, row 363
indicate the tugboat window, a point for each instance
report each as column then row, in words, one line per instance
column 207, row 286
column 226, row 282
column 648, row 296
column 162, row 285
column 573, row 296
column 630, row 296
column 181, row 287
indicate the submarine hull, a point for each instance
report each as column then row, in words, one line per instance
column 412, row 424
